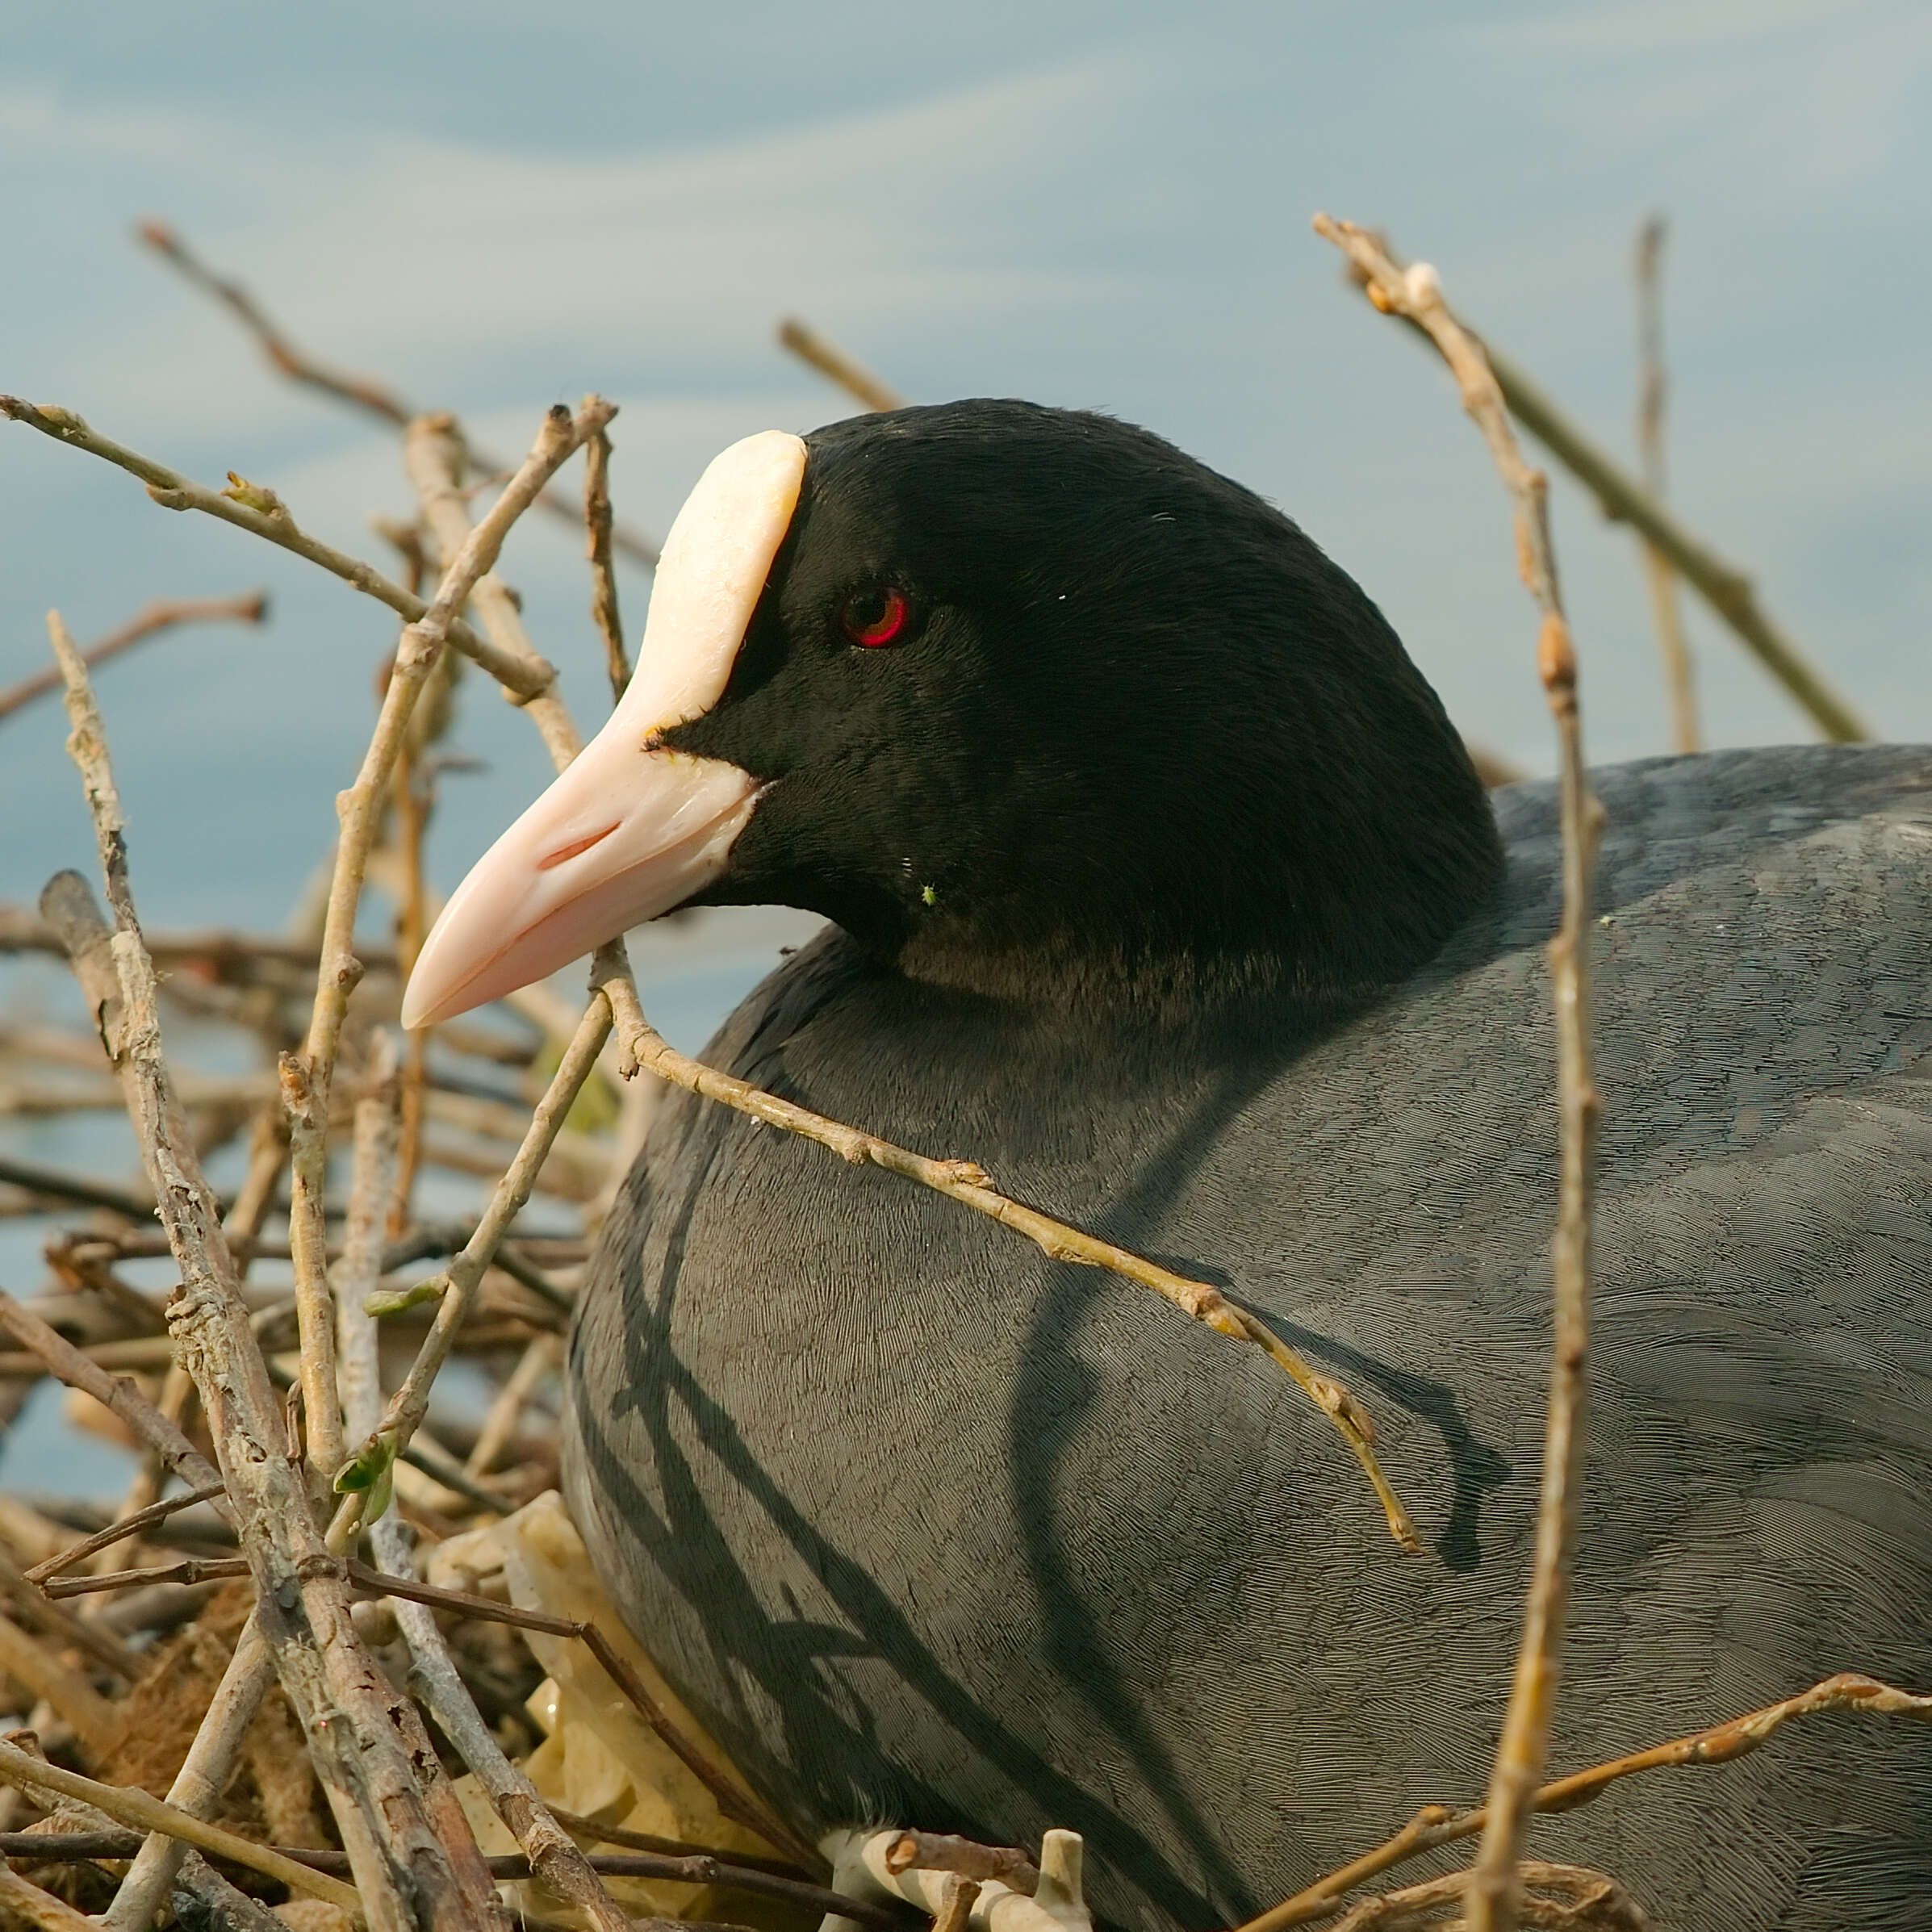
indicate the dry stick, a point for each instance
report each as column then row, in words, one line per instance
column 366, row 1742
column 966, row 1182
column 1590, row 1901
column 63, row 1626
column 597, row 542
column 1736, row 1738
column 361, row 392
column 40, row 1908
column 553, row 1855
column 130, row 1806
column 261, row 511
column 162, row 614
column 119, row 1532
column 1653, row 387
column 305, row 1077
column 455, row 1288
column 1727, row 590
column 835, row 365
column 1525, row 1743
column 372, row 1183
column 94, row 1719
column 113, row 1392
column 735, row 1801
column 434, row 454
column 506, row 1411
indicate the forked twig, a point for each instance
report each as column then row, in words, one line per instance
column 119, row 1532
column 1719, row 1744
column 1416, row 295
column 1726, row 588
column 262, row 513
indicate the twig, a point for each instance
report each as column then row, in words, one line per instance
column 119, row 1532
column 121, row 1398
column 435, row 455
column 1417, row 295
column 550, row 1849
column 1727, row 590
column 1585, row 1901
column 940, row 1852
column 361, row 392
column 698, row 1867
column 198, row 1784
column 131, row 1805
column 835, row 365
column 262, row 513
column 733, row 1801
column 307, row 1076
column 163, row 614
column 579, row 1826
column 966, row 1182
column 40, row 1908
column 83, row 1191
column 184, row 1570
column 1652, row 389
column 455, row 1290
column 1736, row 1738
column 597, row 544
column 506, row 1411
column 94, row 1718
column 366, row 1742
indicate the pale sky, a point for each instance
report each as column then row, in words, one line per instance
column 1099, row 205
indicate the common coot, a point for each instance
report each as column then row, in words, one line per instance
column 1162, row 886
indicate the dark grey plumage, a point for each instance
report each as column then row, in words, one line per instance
column 931, row 1530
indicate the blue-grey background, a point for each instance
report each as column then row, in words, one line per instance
column 494, row 205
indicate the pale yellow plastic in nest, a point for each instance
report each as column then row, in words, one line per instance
column 599, row 1758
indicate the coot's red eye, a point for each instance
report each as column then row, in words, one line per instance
column 874, row 615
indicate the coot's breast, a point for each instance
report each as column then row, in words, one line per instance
column 931, row 1530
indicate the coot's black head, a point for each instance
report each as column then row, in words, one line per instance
column 1027, row 702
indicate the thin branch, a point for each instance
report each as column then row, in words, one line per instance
column 1726, row 588
column 27, row 1660
column 435, row 454
column 968, row 1183
column 1653, row 387
column 119, row 1396
column 131, row 1805
column 163, row 614
column 597, row 545
column 1736, row 1738
column 197, row 1786
column 361, row 392
column 82, row 1190
column 261, row 512
column 735, row 1801
column 119, row 1532
column 40, row 1908
column 455, row 1290
column 307, row 1076
column 1416, row 295
column 366, row 1742
column 836, row 367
